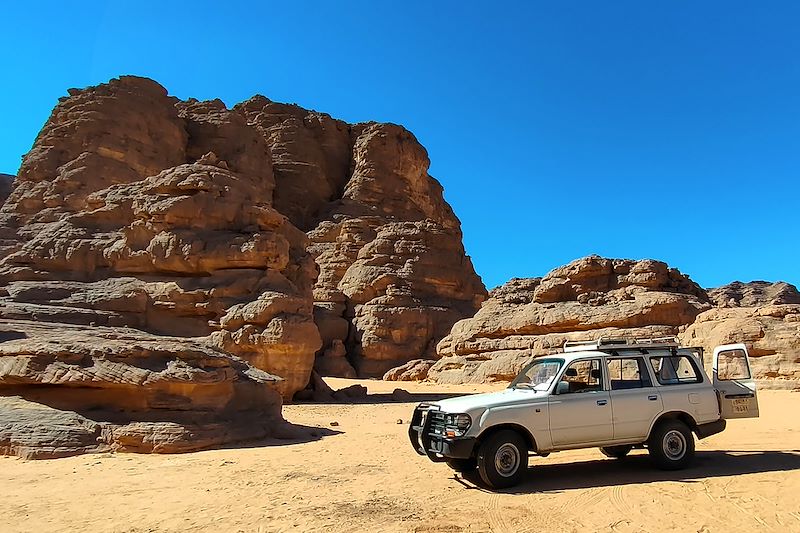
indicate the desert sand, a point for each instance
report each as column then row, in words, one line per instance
column 362, row 475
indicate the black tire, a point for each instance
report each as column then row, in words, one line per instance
column 503, row 459
column 463, row 465
column 671, row 445
column 616, row 452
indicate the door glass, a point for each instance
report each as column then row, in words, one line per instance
column 675, row 370
column 732, row 364
column 582, row 376
column 628, row 374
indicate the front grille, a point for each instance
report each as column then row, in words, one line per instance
column 437, row 423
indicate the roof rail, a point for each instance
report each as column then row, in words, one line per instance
column 605, row 344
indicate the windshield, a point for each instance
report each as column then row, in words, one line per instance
column 538, row 375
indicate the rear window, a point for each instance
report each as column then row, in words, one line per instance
column 732, row 365
column 675, row 370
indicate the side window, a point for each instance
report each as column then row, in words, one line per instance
column 675, row 370
column 581, row 376
column 629, row 373
column 732, row 364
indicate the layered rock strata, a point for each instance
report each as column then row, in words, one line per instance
column 393, row 273
column 186, row 221
column 70, row 389
column 766, row 317
column 589, row 298
column 135, row 209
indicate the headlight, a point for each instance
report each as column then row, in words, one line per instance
column 457, row 425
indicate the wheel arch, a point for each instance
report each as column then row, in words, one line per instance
column 683, row 416
column 521, row 430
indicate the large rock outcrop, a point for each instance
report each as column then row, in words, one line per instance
column 766, row 317
column 246, row 231
column 126, row 214
column 135, row 210
column 589, row 298
column 394, row 276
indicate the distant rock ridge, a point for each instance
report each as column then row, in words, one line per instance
column 763, row 315
column 596, row 297
column 754, row 293
column 588, row 298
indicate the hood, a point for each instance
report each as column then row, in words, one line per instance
column 474, row 402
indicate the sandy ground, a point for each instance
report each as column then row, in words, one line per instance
column 366, row 477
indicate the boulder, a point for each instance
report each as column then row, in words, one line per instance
column 589, row 298
column 414, row 370
column 69, row 389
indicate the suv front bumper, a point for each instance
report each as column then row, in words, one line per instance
column 427, row 437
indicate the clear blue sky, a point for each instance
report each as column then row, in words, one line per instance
column 633, row 129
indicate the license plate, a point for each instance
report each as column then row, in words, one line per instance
column 741, row 405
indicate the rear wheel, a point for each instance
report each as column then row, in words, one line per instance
column 617, row 452
column 503, row 459
column 671, row 445
column 463, row 465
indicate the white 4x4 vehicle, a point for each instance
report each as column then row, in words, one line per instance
column 611, row 394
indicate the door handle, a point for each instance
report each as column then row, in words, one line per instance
column 653, row 397
column 602, row 402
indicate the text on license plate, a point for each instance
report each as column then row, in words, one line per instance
column 740, row 406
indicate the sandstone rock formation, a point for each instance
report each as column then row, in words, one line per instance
column 766, row 317
column 186, row 220
column 589, row 298
column 754, row 294
column 70, row 389
column 394, row 276
column 414, row 370
column 125, row 217
column 6, row 185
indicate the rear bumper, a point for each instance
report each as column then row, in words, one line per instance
column 712, row 428
column 425, row 441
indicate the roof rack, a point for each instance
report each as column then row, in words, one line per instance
column 604, row 344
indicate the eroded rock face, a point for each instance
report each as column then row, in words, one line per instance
column 135, row 211
column 771, row 333
column 70, row 389
column 125, row 215
column 394, row 276
column 754, row 294
column 6, row 185
column 589, row 298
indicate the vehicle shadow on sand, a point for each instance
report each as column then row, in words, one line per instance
column 637, row 469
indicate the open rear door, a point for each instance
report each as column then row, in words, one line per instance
column 734, row 382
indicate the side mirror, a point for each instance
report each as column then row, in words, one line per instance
column 571, row 373
column 563, row 387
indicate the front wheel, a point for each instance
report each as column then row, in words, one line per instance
column 463, row 465
column 617, row 452
column 503, row 459
column 671, row 445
